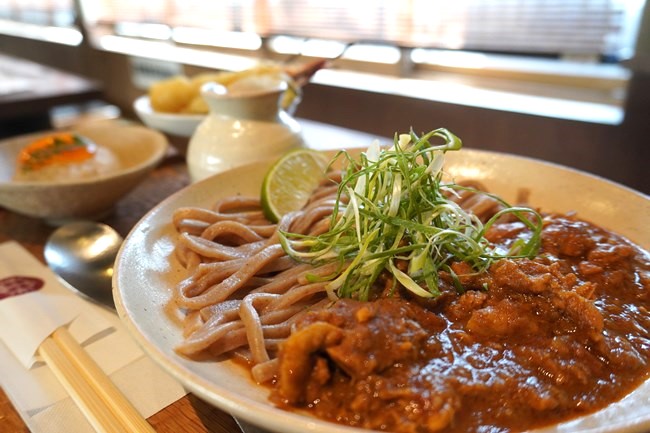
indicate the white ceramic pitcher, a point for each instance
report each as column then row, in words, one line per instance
column 244, row 125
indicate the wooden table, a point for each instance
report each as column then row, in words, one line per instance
column 189, row 414
column 29, row 90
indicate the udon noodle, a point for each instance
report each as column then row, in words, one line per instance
column 243, row 291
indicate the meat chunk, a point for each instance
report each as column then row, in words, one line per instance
column 349, row 336
column 298, row 360
column 503, row 319
column 527, row 343
column 568, row 237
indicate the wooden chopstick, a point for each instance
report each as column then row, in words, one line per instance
column 105, row 407
column 92, row 406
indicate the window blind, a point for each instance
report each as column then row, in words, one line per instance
column 603, row 28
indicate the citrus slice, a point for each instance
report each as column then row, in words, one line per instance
column 290, row 181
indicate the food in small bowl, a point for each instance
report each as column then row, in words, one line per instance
column 175, row 105
column 75, row 174
column 64, row 156
column 181, row 125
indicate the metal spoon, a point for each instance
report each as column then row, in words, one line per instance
column 83, row 254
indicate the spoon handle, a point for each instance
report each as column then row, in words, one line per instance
column 90, row 386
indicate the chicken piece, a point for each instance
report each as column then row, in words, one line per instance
column 298, row 362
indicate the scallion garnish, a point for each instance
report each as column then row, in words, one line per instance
column 393, row 214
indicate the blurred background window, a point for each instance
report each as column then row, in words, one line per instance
column 596, row 29
column 566, row 50
column 385, row 31
column 48, row 20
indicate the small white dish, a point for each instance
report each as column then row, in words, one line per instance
column 182, row 125
column 137, row 148
column 146, row 272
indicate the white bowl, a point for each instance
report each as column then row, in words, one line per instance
column 182, row 125
column 138, row 149
column 147, row 271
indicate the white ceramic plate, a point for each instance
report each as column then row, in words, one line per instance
column 146, row 270
column 182, row 125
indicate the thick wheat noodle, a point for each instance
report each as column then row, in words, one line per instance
column 191, row 226
column 251, row 319
column 325, row 191
column 224, row 308
column 282, row 282
column 245, row 206
column 224, row 321
column 186, row 257
column 225, row 324
column 291, row 282
column 319, row 227
column 213, row 250
column 196, row 215
column 266, row 371
column 243, row 293
column 176, row 315
column 228, row 329
column 275, row 325
column 192, row 322
column 203, row 278
column 228, row 286
column 257, row 310
column 311, row 216
column 234, row 229
column 229, row 313
column 279, row 283
column 203, row 337
column 208, row 275
column 237, row 340
column 220, row 212
column 321, row 271
column 222, row 266
column 247, row 233
column 281, row 264
column 296, row 294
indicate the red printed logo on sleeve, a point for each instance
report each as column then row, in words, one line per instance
column 18, row 285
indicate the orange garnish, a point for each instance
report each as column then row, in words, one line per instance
column 62, row 148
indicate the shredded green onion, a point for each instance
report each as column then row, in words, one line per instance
column 392, row 215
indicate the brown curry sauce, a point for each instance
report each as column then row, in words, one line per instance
column 550, row 339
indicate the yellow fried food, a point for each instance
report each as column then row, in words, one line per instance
column 180, row 94
column 171, row 95
column 196, row 106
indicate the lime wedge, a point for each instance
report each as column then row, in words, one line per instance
column 290, row 181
